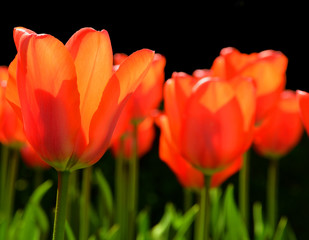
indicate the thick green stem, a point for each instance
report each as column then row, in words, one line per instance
column 60, row 215
column 204, row 214
column 272, row 190
column 244, row 189
column 85, row 204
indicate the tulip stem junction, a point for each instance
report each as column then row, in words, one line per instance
column 60, row 214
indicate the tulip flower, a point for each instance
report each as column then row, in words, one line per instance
column 188, row 176
column 303, row 102
column 70, row 98
column 12, row 137
column 278, row 134
column 139, row 109
column 11, row 128
column 267, row 70
column 145, row 137
column 211, row 125
column 281, row 130
column 200, row 115
column 133, row 137
column 68, row 95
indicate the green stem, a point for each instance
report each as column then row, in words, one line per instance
column 11, row 184
column 207, row 206
column 133, row 180
column 3, row 178
column 60, row 215
column 272, row 188
column 121, row 191
column 204, row 215
column 244, row 189
column 85, row 204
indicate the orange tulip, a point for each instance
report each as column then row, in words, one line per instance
column 267, row 69
column 145, row 137
column 68, row 95
column 139, row 108
column 303, row 102
column 281, row 130
column 187, row 175
column 210, row 120
column 11, row 127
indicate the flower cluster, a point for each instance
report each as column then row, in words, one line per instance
column 64, row 105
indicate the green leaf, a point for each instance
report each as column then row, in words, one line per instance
column 69, row 232
column 105, row 191
column 234, row 224
column 279, row 234
column 42, row 219
column 217, row 222
column 143, row 226
column 186, row 221
column 39, row 193
column 161, row 230
column 30, row 227
column 103, row 234
column 259, row 228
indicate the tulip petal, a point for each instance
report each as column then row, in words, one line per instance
column 280, row 132
column 93, row 58
column 186, row 174
column 219, row 177
column 176, row 93
column 116, row 93
column 49, row 98
column 11, row 90
column 303, row 101
column 212, row 139
column 217, row 93
column 19, row 33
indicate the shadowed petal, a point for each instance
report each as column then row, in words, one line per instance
column 49, row 98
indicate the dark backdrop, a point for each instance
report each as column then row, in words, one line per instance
column 189, row 44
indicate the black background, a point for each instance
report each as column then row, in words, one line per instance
column 190, row 39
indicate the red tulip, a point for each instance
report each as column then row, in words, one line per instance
column 282, row 129
column 68, row 96
column 210, row 120
column 139, row 108
column 11, row 128
column 303, row 102
column 187, row 175
column 145, row 137
column 267, row 70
